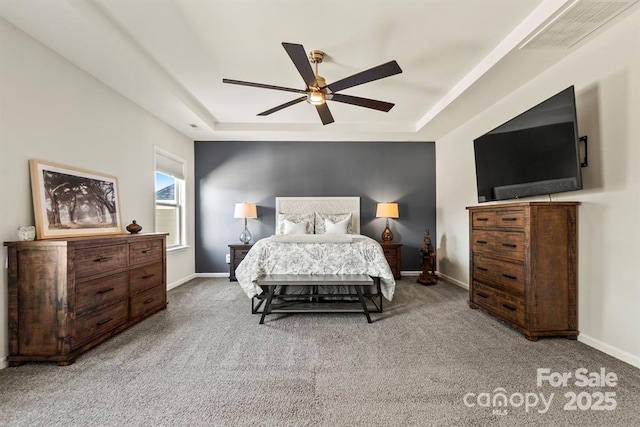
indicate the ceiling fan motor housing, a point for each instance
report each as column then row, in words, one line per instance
column 316, row 56
column 317, row 91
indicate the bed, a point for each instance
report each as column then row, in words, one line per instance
column 317, row 235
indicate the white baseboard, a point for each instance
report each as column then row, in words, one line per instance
column 4, row 363
column 454, row 281
column 610, row 350
column 180, row 282
column 586, row 339
column 212, row 275
column 195, row 276
column 410, row 273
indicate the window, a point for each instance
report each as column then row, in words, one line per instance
column 169, row 196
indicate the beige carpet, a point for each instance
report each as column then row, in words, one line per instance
column 206, row 361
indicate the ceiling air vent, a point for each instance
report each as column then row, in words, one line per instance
column 575, row 22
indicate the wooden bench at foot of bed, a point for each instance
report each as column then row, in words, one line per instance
column 357, row 281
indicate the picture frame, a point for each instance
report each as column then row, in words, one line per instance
column 70, row 202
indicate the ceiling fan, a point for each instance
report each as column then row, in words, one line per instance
column 318, row 91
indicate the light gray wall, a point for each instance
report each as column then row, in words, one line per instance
column 230, row 172
column 606, row 75
column 51, row 110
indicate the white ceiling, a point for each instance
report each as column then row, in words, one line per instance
column 170, row 56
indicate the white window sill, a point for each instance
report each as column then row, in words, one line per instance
column 178, row 248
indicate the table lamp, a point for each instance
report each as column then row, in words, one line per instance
column 245, row 210
column 387, row 210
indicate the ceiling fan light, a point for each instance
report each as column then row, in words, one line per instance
column 316, row 97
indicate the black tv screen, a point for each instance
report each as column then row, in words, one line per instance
column 532, row 154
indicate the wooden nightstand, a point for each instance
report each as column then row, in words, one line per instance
column 393, row 252
column 237, row 254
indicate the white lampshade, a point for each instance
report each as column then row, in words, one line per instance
column 245, row 210
column 387, row 210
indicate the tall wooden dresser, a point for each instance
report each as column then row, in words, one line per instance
column 68, row 295
column 523, row 266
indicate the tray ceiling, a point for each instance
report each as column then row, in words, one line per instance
column 170, row 56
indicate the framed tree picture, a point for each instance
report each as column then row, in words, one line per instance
column 69, row 202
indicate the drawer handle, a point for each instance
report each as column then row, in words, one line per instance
column 482, row 219
column 509, row 277
column 150, row 300
column 104, row 291
column 483, row 295
column 509, row 245
column 508, row 307
column 147, row 276
column 509, row 219
column 482, row 269
column 104, row 322
column 244, row 252
column 103, row 259
column 482, row 242
column 146, row 251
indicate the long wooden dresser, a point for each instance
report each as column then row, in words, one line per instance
column 523, row 266
column 68, row 295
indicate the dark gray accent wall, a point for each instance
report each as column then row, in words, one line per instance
column 230, row 172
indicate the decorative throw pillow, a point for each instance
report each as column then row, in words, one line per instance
column 295, row 227
column 334, row 218
column 339, row 227
column 308, row 217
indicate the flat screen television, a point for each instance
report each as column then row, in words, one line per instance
column 532, row 154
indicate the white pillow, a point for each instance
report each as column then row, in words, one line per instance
column 308, row 218
column 334, row 218
column 291, row 227
column 339, row 227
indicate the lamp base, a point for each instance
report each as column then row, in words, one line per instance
column 245, row 236
column 387, row 235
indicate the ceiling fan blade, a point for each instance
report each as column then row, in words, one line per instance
column 285, row 105
column 380, row 72
column 362, row 102
column 301, row 61
column 324, row 113
column 263, row 86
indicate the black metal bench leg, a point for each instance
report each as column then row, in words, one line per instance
column 363, row 302
column 256, row 307
column 267, row 306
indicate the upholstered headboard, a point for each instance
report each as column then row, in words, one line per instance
column 330, row 205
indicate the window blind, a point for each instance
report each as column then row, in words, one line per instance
column 169, row 164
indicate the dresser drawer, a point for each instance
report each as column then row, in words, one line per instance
column 510, row 308
column 145, row 251
column 92, row 261
column 390, row 254
column 239, row 254
column 506, row 306
column 142, row 278
column 147, row 301
column 500, row 243
column 95, row 324
column 510, row 218
column 484, row 295
column 506, row 276
column 101, row 291
column 483, row 219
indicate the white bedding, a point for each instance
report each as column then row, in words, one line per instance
column 313, row 238
column 362, row 255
